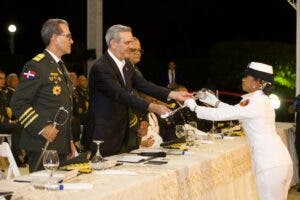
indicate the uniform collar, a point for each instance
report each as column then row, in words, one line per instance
column 53, row 56
column 256, row 93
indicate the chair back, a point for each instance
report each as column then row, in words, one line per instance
column 5, row 151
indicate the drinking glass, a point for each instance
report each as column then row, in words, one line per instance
column 98, row 161
column 51, row 161
column 190, row 137
column 191, row 134
column 180, row 131
column 193, row 124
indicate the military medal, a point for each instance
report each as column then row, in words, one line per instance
column 54, row 77
column 56, row 90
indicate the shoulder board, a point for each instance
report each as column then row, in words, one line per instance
column 39, row 57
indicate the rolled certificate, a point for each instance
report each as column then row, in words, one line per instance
column 172, row 112
column 65, row 186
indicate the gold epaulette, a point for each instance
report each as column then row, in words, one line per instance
column 39, row 57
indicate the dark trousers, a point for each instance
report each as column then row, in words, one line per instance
column 34, row 156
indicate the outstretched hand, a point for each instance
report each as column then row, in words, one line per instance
column 210, row 99
column 180, row 95
column 158, row 109
column 191, row 104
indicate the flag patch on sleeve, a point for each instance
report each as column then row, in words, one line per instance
column 30, row 75
column 245, row 103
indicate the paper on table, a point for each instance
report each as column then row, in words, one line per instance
column 116, row 172
column 59, row 175
column 133, row 158
column 147, row 150
column 206, row 142
column 44, row 173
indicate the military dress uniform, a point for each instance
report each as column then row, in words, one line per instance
column 4, row 125
column 44, row 87
column 82, row 104
column 271, row 159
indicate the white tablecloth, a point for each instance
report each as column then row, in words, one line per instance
column 219, row 171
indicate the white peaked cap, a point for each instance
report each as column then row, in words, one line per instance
column 261, row 71
column 261, row 67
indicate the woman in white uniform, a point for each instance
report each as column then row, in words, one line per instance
column 272, row 163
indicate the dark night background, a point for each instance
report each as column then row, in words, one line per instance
column 205, row 38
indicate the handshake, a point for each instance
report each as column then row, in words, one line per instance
column 204, row 96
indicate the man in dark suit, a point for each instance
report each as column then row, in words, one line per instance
column 44, row 87
column 171, row 78
column 111, row 83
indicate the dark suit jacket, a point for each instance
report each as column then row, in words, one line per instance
column 165, row 78
column 36, row 101
column 110, row 99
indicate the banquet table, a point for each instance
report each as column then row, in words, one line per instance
column 218, row 171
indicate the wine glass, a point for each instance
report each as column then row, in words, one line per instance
column 180, row 131
column 51, row 161
column 193, row 124
column 98, row 161
column 190, row 133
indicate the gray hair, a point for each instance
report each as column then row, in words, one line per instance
column 51, row 27
column 113, row 32
column 9, row 76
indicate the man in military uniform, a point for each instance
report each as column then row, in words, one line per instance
column 83, row 105
column 45, row 87
column 8, row 125
column 83, row 96
column 138, row 124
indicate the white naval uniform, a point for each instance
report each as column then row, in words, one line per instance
column 257, row 118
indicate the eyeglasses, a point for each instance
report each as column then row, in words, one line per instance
column 137, row 51
column 68, row 35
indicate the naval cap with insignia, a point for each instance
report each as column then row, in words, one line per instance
column 261, row 71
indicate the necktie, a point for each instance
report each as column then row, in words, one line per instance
column 63, row 68
column 124, row 74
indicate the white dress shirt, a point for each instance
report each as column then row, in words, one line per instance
column 119, row 63
column 171, row 75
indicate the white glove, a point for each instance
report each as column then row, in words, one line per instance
column 191, row 104
column 210, row 99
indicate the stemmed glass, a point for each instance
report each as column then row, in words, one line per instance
column 51, row 161
column 180, row 131
column 213, row 129
column 190, row 134
column 98, row 161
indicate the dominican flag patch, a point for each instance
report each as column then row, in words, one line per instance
column 29, row 74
